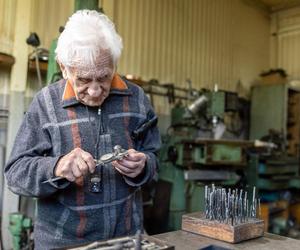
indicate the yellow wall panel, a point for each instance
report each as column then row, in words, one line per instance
column 48, row 16
column 207, row 41
column 7, row 25
column 286, row 27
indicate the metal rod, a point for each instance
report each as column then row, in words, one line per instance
column 230, row 206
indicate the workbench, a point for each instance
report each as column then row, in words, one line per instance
column 182, row 240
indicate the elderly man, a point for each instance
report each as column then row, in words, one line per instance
column 73, row 122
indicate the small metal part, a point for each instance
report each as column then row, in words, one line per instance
column 106, row 158
column 95, row 184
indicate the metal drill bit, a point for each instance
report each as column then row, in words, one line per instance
column 210, row 206
column 219, row 204
column 226, row 208
column 245, row 205
column 241, row 206
column 259, row 209
column 223, row 204
column 236, row 208
column 232, row 206
column 206, row 202
column 253, row 210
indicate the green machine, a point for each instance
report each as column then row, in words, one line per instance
column 21, row 228
column 193, row 153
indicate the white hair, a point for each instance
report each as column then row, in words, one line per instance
column 87, row 33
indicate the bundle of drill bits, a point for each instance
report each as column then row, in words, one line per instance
column 230, row 206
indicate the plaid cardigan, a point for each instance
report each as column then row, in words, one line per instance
column 56, row 123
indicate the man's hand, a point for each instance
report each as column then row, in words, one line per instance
column 131, row 165
column 75, row 164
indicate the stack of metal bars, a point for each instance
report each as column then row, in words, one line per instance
column 231, row 206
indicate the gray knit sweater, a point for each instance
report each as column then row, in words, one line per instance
column 56, row 123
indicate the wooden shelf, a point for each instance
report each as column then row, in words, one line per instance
column 43, row 66
column 6, row 60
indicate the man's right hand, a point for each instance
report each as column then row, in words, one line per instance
column 75, row 164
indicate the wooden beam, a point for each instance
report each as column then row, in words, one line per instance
column 32, row 66
column 6, row 60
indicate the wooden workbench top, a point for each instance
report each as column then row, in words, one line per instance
column 188, row 241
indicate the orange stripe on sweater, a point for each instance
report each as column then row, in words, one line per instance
column 128, row 204
column 79, row 182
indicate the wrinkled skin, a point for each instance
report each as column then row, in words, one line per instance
column 75, row 164
column 92, row 86
column 132, row 165
column 92, row 83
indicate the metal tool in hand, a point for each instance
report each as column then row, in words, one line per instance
column 118, row 154
column 95, row 180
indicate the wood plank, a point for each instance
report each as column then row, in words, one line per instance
column 43, row 66
column 6, row 60
column 197, row 223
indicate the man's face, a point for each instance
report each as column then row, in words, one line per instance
column 92, row 84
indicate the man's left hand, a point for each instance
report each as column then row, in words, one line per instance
column 131, row 165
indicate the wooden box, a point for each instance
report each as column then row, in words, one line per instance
column 198, row 224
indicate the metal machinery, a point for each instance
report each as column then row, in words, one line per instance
column 276, row 172
column 21, row 228
column 194, row 153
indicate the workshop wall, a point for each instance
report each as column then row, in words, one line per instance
column 286, row 42
column 47, row 17
column 7, row 24
column 208, row 41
